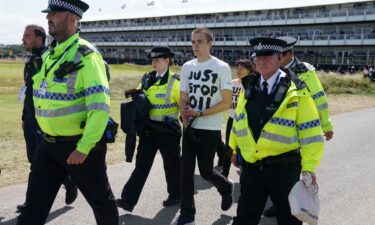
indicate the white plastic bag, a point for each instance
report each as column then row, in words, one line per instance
column 304, row 201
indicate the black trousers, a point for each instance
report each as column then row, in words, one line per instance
column 203, row 150
column 33, row 138
column 228, row 152
column 149, row 142
column 257, row 183
column 49, row 170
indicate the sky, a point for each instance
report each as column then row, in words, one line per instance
column 16, row 14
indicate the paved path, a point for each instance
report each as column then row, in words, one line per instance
column 346, row 178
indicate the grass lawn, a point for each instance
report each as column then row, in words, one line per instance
column 13, row 160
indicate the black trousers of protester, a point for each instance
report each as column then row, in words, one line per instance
column 203, row 149
column 220, row 151
column 149, row 142
column 228, row 153
column 49, row 170
column 257, row 183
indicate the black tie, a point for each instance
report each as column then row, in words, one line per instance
column 265, row 88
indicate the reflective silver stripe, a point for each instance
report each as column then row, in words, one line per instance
column 322, row 106
column 314, row 139
column 169, row 91
column 61, row 111
column 71, row 82
column 240, row 133
column 279, row 138
column 98, row 106
column 161, row 118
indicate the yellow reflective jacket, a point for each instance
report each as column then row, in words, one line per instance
column 294, row 125
column 311, row 79
column 79, row 102
column 164, row 98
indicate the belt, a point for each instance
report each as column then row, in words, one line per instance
column 291, row 156
column 53, row 139
column 160, row 127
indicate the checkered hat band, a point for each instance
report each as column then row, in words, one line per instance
column 268, row 47
column 288, row 48
column 66, row 5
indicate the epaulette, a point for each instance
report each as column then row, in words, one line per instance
column 300, row 84
column 176, row 76
column 308, row 66
column 85, row 50
column 299, row 68
column 250, row 80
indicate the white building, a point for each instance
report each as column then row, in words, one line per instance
column 330, row 33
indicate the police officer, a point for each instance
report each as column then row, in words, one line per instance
column 277, row 128
column 163, row 132
column 71, row 99
column 308, row 75
column 33, row 41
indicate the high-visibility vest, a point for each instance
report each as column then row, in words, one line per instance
column 164, row 98
column 79, row 102
column 295, row 125
column 311, row 79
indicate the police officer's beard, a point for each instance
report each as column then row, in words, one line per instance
column 61, row 31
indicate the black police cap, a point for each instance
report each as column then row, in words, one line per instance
column 160, row 52
column 290, row 42
column 264, row 46
column 77, row 7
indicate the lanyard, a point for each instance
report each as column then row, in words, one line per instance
column 47, row 70
column 276, row 81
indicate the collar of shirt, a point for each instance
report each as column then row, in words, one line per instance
column 162, row 74
column 291, row 64
column 60, row 48
column 272, row 81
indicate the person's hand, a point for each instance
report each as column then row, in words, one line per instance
column 187, row 113
column 328, row 135
column 233, row 159
column 313, row 176
column 76, row 158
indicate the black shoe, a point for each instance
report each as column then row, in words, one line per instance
column 183, row 220
column 170, row 201
column 270, row 212
column 124, row 205
column 20, row 207
column 227, row 201
column 71, row 194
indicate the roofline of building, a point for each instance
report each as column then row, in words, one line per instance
column 255, row 6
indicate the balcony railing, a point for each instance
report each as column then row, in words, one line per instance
column 308, row 17
column 240, row 40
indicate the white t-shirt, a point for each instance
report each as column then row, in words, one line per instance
column 236, row 89
column 204, row 83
